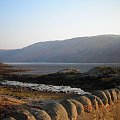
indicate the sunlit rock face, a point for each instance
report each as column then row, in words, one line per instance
column 56, row 111
column 68, row 71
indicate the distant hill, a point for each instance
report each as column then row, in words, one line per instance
column 102, row 48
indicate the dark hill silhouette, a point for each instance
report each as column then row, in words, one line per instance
column 102, row 48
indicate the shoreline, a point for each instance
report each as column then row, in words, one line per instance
column 95, row 79
column 18, row 100
column 50, row 68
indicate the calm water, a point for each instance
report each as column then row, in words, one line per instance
column 46, row 68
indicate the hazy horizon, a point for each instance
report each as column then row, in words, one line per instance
column 25, row 22
column 59, row 40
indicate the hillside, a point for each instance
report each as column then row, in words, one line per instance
column 102, row 48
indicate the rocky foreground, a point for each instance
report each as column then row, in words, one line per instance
column 102, row 102
column 100, row 105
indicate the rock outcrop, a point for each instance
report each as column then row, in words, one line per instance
column 68, row 71
column 104, row 70
column 97, row 105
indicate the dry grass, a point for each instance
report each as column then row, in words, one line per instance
column 30, row 94
column 9, row 101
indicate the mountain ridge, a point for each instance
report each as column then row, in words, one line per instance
column 101, row 48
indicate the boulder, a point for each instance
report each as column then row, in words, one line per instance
column 22, row 114
column 113, row 94
column 79, row 106
column 102, row 96
column 86, row 103
column 118, row 93
column 39, row 114
column 108, row 96
column 93, row 101
column 70, row 108
column 99, row 101
column 56, row 111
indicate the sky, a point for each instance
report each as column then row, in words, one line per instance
column 24, row 22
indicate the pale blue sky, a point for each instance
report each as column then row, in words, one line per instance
column 23, row 22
